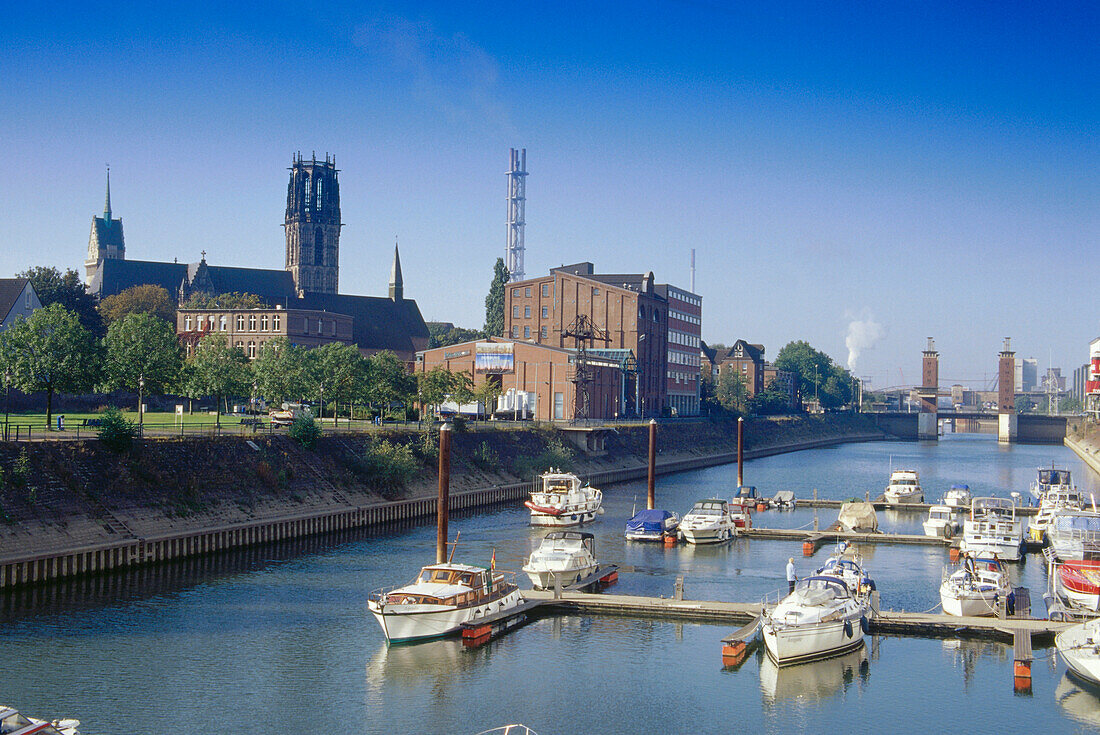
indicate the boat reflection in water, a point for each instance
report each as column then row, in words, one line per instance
column 1080, row 701
column 813, row 681
column 437, row 661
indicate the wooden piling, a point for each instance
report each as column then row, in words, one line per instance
column 651, row 498
column 444, row 493
column 740, row 451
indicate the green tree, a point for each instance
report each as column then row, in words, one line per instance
column 232, row 300
column 67, row 289
column 387, row 381
column 439, row 384
column 769, row 402
column 50, row 351
column 732, row 391
column 487, row 393
column 339, row 368
column 279, row 371
column 142, row 346
column 816, row 373
column 442, row 334
column 494, row 302
column 217, row 370
column 143, row 299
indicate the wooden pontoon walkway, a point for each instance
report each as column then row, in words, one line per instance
column 890, row 622
column 821, row 537
column 880, row 504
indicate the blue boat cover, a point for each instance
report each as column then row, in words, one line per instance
column 651, row 521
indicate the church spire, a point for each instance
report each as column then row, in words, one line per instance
column 107, row 205
column 397, row 285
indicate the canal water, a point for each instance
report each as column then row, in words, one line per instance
column 279, row 639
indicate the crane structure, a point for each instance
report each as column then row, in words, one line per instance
column 584, row 333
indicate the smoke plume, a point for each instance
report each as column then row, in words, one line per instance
column 863, row 334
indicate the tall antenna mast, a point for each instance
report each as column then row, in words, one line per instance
column 517, row 198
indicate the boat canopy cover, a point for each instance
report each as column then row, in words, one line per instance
column 960, row 487
column 858, row 516
column 784, row 496
column 648, row 520
column 746, row 491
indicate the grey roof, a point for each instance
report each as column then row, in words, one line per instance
column 115, row 276
column 10, row 289
column 379, row 323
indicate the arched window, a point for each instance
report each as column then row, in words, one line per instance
column 319, row 180
column 309, row 192
column 318, row 246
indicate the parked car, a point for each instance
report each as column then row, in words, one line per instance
column 288, row 412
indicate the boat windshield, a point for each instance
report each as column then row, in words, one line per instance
column 903, row 481
column 12, row 723
column 709, row 507
column 1077, row 522
column 446, row 576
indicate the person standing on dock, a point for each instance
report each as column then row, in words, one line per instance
column 791, row 576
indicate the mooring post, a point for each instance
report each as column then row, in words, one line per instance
column 651, row 499
column 678, row 590
column 740, row 451
column 444, row 493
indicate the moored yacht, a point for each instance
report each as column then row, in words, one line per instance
column 1055, row 500
column 14, row 723
column 977, row 588
column 1079, row 647
column 1049, row 478
column 958, row 496
column 441, row 599
column 1080, row 582
column 941, row 522
column 904, row 487
column 1075, row 534
column 563, row 558
column 993, row 530
column 821, row 618
column 560, row 499
column 708, row 522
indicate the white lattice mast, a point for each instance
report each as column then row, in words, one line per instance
column 517, row 198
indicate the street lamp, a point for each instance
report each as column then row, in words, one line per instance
column 322, row 413
column 141, row 402
column 254, row 411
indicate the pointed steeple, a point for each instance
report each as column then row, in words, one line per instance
column 107, row 205
column 397, row 285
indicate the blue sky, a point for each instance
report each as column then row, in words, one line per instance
column 924, row 169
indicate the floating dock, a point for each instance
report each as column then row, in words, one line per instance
column 887, row 622
column 880, row 504
column 821, row 537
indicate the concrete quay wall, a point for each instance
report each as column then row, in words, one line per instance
column 19, row 570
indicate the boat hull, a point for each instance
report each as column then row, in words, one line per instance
column 545, row 579
column 935, row 529
column 967, row 604
column 405, row 623
column 898, row 498
column 791, row 644
column 710, row 535
column 1005, row 551
column 1080, row 655
column 565, row 518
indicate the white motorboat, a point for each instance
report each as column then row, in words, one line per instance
column 1079, row 647
column 904, row 487
column 561, row 499
column 958, row 496
column 563, row 558
column 708, row 522
column 941, row 522
column 441, row 599
column 1051, row 478
column 14, row 723
column 1075, row 534
column 821, row 618
column 977, row 588
column 1055, row 500
column 993, row 530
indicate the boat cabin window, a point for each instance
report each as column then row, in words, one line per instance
column 443, row 576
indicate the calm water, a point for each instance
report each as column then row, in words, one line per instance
column 279, row 640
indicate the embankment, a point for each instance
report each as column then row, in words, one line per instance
column 71, row 508
column 1084, row 439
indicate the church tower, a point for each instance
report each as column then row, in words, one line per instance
column 106, row 240
column 313, row 225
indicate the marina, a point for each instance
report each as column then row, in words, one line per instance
column 298, row 624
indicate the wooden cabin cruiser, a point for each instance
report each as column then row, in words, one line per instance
column 977, row 588
column 821, row 618
column 1080, row 583
column 904, row 487
column 13, row 723
column 958, row 496
column 563, row 558
column 1079, row 647
column 1075, row 534
column 1049, row 478
column 560, row 499
column 1055, row 500
column 441, row 599
column 708, row 522
column 993, row 530
column 941, row 522
column 652, row 525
